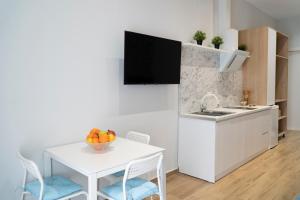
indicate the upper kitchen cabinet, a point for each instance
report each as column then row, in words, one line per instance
column 259, row 71
column 266, row 71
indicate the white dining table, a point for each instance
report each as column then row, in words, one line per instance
column 96, row 164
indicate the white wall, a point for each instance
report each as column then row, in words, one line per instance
column 245, row 15
column 61, row 74
column 292, row 28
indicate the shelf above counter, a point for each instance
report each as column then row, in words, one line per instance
column 282, row 57
column 282, row 133
column 229, row 60
column 210, row 49
column 280, row 100
column 282, row 117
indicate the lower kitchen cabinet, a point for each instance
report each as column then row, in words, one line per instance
column 211, row 149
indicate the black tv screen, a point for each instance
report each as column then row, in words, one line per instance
column 151, row 60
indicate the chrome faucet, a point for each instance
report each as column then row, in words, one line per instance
column 203, row 106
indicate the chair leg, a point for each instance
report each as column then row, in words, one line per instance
column 22, row 195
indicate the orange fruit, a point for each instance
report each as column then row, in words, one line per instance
column 95, row 140
column 102, row 133
column 94, row 130
column 103, row 138
column 94, row 135
column 111, row 137
column 90, row 140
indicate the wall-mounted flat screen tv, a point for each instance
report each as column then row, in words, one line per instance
column 151, row 60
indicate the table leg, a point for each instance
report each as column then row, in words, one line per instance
column 47, row 165
column 92, row 187
column 163, row 182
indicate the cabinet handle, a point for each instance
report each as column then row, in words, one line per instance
column 265, row 133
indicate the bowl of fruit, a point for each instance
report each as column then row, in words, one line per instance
column 99, row 139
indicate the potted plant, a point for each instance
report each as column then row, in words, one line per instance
column 242, row 47
column 199, row 37
column 217, row 41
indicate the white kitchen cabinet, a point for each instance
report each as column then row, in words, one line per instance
column 230, row 143
column 196, row 154
column 211, row 149
column 257, row 137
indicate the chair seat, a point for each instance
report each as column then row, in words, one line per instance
column 119, row 174
column 55, row 187
column 136, row 189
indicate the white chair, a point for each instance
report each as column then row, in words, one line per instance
column 138, row 137
column 131, row 135
column 134, row 136
column 50, row 188
column 136, row 188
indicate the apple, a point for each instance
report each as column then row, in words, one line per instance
column 111, row 132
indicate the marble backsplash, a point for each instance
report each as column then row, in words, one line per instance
column 200, row 75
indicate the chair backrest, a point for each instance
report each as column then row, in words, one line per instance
column 31, row 168
column 142, row 166
column 138, row 137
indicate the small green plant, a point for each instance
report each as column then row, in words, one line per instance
column 243, row 47
column 199, row 37
column 217, row 41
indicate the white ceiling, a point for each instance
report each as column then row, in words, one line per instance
column 278, row 9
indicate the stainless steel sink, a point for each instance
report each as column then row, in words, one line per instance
column 241, row 107
column 213, row 113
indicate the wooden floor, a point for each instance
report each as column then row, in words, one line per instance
column 273, row 175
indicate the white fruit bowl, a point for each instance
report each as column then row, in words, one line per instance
column 99, row 146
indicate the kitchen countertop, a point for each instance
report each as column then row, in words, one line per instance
column 235, row 113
